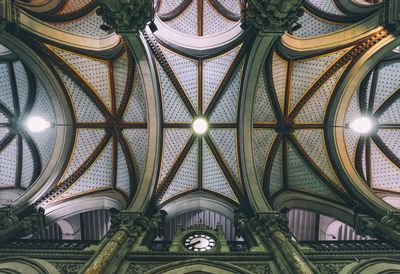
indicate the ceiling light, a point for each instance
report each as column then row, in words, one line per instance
column 362, row 125
column 37, row 124
column 200, row 125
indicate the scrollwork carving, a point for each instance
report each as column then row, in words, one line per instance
column 273, row 15
column 126, row 15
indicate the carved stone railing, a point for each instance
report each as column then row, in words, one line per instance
column 365, row 245
column 51, row 244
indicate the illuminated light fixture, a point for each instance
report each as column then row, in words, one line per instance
column 363, row 125
column 200, row 126
column 37, row 124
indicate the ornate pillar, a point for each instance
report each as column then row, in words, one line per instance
column 388, row 228
column 13, row 226
column 272, row 229
column 127, row 230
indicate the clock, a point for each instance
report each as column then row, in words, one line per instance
column 199, row 242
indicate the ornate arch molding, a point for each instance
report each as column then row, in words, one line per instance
column 197, row 46
column 253, row 71
column 198, row 200
column 335, row 135
column 56, row 35
column 351, row 7
column 198, row 266
column 376, row 265
column 294, row 46
column 41, row 6
column 70, row 208
column 297, row 200
column 62, row 116
column 146, row 65
column 20, row 265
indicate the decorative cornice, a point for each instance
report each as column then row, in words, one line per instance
column 273, row 15
column 126, row 15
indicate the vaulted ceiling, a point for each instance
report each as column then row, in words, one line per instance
column 107, row 106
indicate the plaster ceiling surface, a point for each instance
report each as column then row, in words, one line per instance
column 23, row 154
column 199, row 18
column 104, row 91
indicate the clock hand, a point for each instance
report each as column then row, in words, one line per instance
column 195, row 243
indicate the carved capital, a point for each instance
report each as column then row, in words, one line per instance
column 126, row 15
column 273, row 15
column 387, row 228
column 366, row 225
column 8, row 217
column 134, row 224
column 7, row 12
column 267, row 224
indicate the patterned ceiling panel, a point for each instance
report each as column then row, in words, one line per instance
column 213, row 177
column 376, row 156
column 301, row 176
column 262, row 144
column 186, row 179
column 174, row 141
column 8, row 163
column 22, row 153
column 294, row 111
column 123, row 181
column 174, row 109
column 97, row 177
column 84, row 108
column 184, row 98
column 226, row 110
column 111, row 139
column 225, row 141
column 186, row 22
column 314, row 110
column 186, row 70
column 263, row 110
column 313, row 143
column 279, row 75
column 136, row 108
column 73, row 6
column 328, row 6
column 95, row 72
column 307, row 72
column 312, row 25
column 137, row 140
column 215, row 22
column 166, row 6
column 201, row 18
column 86, row 141
column 87, row 25
column 214, row 71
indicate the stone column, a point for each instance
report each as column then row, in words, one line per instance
column 272, row 229
column 127, row 229
column 13, row 226
column 390, row 16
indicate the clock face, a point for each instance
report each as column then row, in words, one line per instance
column 199, row 242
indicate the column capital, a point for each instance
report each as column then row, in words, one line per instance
column 387, row 228
column 268, row 223
column 273, row 15
column 126, row 15
column 134, row 224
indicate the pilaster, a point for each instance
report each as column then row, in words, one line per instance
column 7, row 12
column 272, row 229
column 128, row 230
